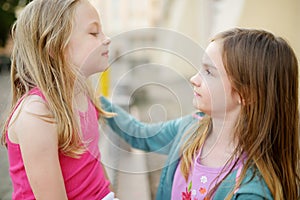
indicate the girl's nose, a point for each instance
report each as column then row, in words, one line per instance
column 196, row 80
column 106, row 41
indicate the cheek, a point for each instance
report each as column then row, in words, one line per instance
column 215, row 88
column 218, row 94
column 79, row 51
column 224, row 99
column 73, row 55
column 93, row 57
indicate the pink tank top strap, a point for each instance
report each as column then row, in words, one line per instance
column 37, row 91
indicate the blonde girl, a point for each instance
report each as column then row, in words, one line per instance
column 244, row 141
column 52, row 131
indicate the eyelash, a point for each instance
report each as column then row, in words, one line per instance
column 206, row 72
column 94, row 34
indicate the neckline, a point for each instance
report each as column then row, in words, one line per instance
column 198, row 165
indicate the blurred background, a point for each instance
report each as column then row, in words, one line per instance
column 148, row 79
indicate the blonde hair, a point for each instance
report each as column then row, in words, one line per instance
column 263, row 69
column 41, row 35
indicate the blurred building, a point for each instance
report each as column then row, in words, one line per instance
column 124, row 15
column 281, row 17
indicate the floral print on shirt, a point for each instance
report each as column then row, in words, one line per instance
column 191, row 194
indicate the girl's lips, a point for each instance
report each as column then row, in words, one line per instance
column 197, row 94
column 105, row 53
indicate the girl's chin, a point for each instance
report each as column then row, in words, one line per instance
column 197, row 105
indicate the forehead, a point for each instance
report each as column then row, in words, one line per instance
column 86, row 13
column 213, row 55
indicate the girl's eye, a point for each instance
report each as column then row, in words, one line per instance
column 94, row 34
column 207, row 72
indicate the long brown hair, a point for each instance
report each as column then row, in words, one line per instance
column 41, row 34
column 263, row 69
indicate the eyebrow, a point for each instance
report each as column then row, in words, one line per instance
column 95, row 23
column 209, row 66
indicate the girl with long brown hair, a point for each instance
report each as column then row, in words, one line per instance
column 244, row 144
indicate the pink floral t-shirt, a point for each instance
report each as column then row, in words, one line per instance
column 201, row 180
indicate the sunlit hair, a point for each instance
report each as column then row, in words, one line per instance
column 263, row 69
column 41, row 35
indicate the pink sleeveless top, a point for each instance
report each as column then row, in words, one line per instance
column 84, row 177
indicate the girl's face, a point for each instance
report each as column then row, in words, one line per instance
column 88, row 45
column 213, row 93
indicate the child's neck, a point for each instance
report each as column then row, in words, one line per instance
column 223, row 126
column 219, row 145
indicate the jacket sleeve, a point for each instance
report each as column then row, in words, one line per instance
column 156, row 137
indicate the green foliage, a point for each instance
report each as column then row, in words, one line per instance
column 7, row 17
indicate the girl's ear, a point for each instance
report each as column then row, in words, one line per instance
column 236, row 97
column 241, row 101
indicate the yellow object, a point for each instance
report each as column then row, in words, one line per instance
column 104, row 83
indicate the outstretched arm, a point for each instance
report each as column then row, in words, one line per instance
column 157, row 137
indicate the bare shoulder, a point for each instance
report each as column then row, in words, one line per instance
column 28, row 121
column 36, row 105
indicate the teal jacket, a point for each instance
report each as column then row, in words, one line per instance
column 167, row 138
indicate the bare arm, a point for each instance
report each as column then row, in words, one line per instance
column 39, row 148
